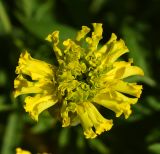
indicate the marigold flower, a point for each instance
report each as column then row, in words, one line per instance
column 86, row 75
column 20, row 151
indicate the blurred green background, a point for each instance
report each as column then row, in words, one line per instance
column 25, row 23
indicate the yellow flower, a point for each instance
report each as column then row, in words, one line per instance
column 86, row 76
column 20, row 151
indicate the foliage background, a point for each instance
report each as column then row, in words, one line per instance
column 25, row 23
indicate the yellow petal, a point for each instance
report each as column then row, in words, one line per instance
column 35, row 68
column 122, row 70
column 54, row 38
column 101, row 51
column 72, row 51
column 117, row 49
column 111, row 51
column 113, row 38
column 23, row 86
column 69, row 117
column 90, row 117
column 82, row 33
column 125, row 69
column 86, row 122
column 100, row 123
column 65, row 119
column 64, row 114
column 96, row 37
column 35, row 105
column 128, row 88
column 116, row 102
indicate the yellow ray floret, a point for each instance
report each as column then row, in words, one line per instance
column 42, row 84
column 36, row 69
column 21, row 151
column 85, row 77
column 35, row 105
column 90, row 117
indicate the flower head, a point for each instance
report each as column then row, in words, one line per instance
column 86, row 76
column 20, row 151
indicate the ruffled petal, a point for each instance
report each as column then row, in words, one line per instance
column 35, row 105
column 93, row 44
column 100, row 123
column 128, row 88
column 54, row 38
column 68, row 114
column 116, row 49
column 82, row 33
column 96, row 37
column 122, row 70
column 116, row 102
column 86, row 122
column 36, row 69
column 111, row 51
column 90, row 117
column 23, row 86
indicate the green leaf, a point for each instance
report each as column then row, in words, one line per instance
column 143, row 109
column 140, row 111
column 4, row 19
column 99, row 146
column 26, row 7
column 96, row 5
column 63, row 139
column 153, row 103
column 137, row 52
column 43, row 125
column 153, row 136
column 41, row 28
column 44, row 10
column 12, row 134
column 41, row 22
column 80, row 142
column 154, row 148
column 5, row 107
column 3, row 78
